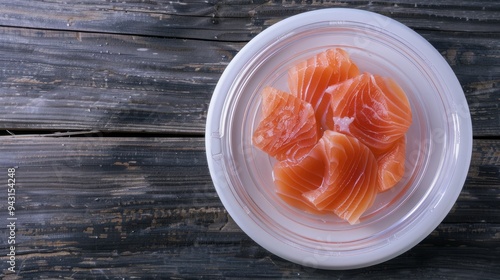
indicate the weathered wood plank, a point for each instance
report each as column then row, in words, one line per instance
column 146, row 207
column 101, row 173
column 53, row 80
column 232, row 20
column 67, row 80
column 140, row 168
column 246, row 260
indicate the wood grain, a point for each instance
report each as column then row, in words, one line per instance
column 232, row 20
column 100, row 206
column 78, row 81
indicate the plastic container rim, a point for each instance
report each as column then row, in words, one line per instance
column 215, row 131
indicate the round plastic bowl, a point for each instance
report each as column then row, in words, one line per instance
column 439, row 141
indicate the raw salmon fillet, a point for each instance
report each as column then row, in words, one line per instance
column 310, row 78
column 339, row 136
column 288, row 127
column 294, row 178
column 391, row 165
column 349, row 185
column 371, row 108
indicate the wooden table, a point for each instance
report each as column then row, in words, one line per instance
column 103, row 109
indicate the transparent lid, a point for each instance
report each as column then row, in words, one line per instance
column 438, row 152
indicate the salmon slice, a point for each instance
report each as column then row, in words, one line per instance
column 349, row 184
column 391, row 165
column 338, row 136
column 310, row 78
column 288, row 127
column 293, row 178
column 371, row 108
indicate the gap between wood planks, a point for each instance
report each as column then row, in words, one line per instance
column 92, row 133
column 124, row 34
column 97, row 133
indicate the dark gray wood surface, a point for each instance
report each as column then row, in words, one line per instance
column 103, row 112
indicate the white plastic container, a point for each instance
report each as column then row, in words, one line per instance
column 439, row 142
